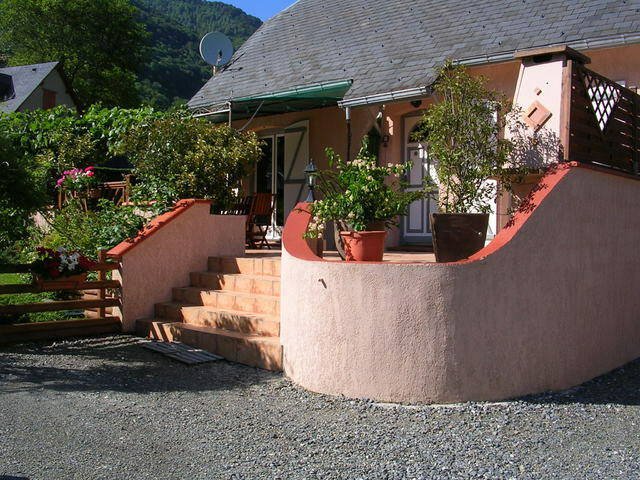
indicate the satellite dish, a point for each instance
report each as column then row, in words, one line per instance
column 216, row 49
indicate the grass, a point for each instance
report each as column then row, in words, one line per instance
column 18, row 298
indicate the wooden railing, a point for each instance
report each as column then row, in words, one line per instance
column 602, row 126
column 104, row 288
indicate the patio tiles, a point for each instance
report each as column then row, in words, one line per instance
column 391, row 257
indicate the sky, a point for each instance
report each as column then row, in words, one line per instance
column 263, row 9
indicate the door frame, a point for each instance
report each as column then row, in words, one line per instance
column 275, row 230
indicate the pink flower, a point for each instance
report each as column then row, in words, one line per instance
column 66, row 172
column 88, row 169
column 90, row 174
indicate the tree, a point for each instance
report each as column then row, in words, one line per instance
column 100, row 43
column 462, row 131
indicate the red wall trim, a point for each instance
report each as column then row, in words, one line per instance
column 155, row 225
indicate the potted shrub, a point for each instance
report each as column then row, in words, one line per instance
column 365, row 197
column 60, row 269
column 462, row 132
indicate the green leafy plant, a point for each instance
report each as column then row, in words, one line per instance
column 462, row 131
column 85, row 231
column 360, row 194
column 182, row 157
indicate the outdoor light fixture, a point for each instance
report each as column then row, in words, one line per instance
column 312, row 173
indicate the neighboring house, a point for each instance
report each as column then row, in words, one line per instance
column 34, row 87
column 323, row 73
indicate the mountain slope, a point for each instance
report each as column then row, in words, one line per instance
column 175, row 70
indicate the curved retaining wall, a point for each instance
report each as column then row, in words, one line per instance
column 550, row 303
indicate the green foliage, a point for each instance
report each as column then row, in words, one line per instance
column 100, row 43
column 21, row 193
column 59, row 139
column 182, row 157
column 462, row 131
column 89, row 231
column 360, row 193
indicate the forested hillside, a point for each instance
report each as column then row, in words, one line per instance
column 175, row 70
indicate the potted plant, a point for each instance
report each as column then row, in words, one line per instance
column 80, row 182
column 60, row 269
column 365, row 197
column 462, row 132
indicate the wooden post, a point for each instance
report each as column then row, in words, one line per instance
column 565, row 109
column 102, row 276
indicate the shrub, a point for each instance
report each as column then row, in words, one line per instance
column 89, row 231
column 182, row 157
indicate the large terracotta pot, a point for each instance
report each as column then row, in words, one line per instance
column 457, row 236
column 364, row 246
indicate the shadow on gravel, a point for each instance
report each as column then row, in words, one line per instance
column 116, row 363
column 619, row 387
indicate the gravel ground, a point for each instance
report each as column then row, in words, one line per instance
column 108, row 409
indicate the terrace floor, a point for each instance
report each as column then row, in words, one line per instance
column 105, row 408
column 395, row 256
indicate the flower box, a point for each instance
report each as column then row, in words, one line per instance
column 63, row 283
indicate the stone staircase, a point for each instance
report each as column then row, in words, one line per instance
column 232, row 310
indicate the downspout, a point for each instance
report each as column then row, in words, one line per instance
column 230, row 112
column 347, row 112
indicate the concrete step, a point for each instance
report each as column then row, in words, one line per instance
column 252, row 350
column 223, row 319
column 227, row 300
column 266, row 266
column 259, row 284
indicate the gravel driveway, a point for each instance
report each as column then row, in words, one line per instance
column 108, row 409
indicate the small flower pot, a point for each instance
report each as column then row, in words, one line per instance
column 62, row 283
column 457, row 236
column 364, row 246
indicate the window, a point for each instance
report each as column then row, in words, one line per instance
column 48, row 99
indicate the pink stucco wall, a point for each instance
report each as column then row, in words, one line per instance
column 549, row 304
column 180, row 244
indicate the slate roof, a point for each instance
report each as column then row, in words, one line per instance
column 26, row 78
column 390, row 45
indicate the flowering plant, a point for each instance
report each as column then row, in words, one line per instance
column 53, row 264
column 77, row 179
column 360, row 194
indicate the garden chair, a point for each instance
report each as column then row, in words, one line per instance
column 259, row 220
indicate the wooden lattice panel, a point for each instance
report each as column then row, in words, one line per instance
column 604, row 122
column 604, row 96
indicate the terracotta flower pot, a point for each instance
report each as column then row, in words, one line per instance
column 457, row 236
column 62, row 283
column 363, row 246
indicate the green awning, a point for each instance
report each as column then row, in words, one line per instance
column 295, row 99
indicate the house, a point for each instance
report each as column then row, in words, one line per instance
column 34, row 87
column 323, row 73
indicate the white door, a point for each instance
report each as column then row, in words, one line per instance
column 416, row 228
